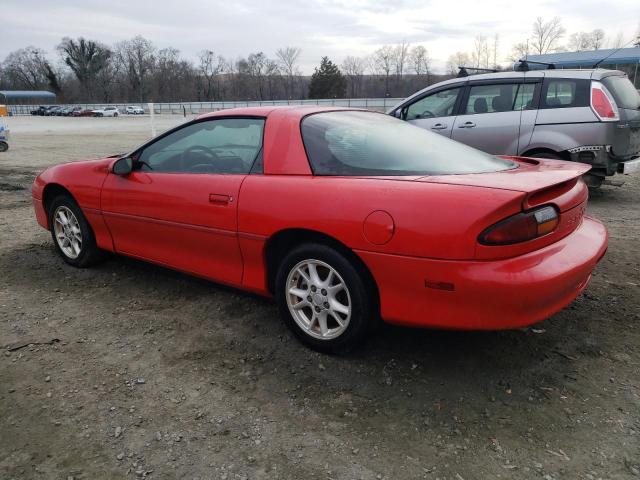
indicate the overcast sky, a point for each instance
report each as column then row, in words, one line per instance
column 336, row 28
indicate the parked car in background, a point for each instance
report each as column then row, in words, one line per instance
column 134, row 110
column 52, row 111
column 82, row 112
column 40, row 110
column 588, row 116
column 391, row 221
column 106, row 112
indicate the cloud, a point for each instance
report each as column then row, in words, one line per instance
column 336, row 28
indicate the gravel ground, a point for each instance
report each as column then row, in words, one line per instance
column 130, row 370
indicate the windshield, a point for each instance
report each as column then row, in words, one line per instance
column 369, row 143
column 623, row 90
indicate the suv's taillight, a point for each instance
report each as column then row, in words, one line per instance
column 603, row 103
column 521, row 227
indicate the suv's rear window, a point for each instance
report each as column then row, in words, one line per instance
column 367, row 143
column 564, row 93
column 624, row 92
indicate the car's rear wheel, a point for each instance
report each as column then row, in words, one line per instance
column 72, row 234
column 4, row 146
column 324, row 299
column 115, row 114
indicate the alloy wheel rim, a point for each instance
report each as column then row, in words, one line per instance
column 67, row 231
column 318, row 299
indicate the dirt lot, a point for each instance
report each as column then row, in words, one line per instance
column 159, row 375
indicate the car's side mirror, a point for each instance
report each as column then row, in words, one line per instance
column 124, row 166
column 398, row 113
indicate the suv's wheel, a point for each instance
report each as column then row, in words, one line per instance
column 71, row 233
column 4, row 146
column 324, row 299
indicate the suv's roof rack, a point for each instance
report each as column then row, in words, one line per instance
column 464, row 71
column 523, row 65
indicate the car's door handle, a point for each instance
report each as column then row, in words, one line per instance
column 217, row 199
column 439, row 126
column 467, row 125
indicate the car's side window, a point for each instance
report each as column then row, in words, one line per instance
column 439, row 104
column 491, row 98
column 524, row 99
column 227, row 145
column 564, row 93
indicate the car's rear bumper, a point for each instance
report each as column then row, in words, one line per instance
column 487, row 295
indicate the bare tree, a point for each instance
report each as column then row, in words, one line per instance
column 287, row 58
column 85, row 58
column 520, row 51
column 354, row 68
column 458, row 59
column 27, row 68
column 494, row 50
column 598, row 38
column 210, row 67
column 420, row 61
column 400, row 53
column 480, row 55
column 546, row 35
column 137, row 58
column 382, row 62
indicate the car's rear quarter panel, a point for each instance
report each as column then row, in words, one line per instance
column 430, row 220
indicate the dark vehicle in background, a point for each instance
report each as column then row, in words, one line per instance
column 588, row 116
column 40, row 110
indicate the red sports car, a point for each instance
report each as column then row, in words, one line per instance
column 344, row 216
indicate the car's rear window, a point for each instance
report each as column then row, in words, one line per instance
column 351, row 143
column 565, row 93
column 624, row 92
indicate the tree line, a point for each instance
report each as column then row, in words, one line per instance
column 135, row 70
column 87, row 71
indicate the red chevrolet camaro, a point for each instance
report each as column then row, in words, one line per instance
column 344, row 216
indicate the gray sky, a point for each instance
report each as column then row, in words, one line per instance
column 320, row 27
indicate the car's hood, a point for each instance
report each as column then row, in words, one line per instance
column 530, row 176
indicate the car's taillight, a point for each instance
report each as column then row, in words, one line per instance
column 521, row 227
column 603, row 103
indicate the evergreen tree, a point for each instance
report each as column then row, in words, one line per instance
column 327, row 81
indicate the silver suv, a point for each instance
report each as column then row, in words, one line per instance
column 589, row 116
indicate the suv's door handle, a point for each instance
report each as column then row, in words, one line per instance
column 217, row 199
column 467, row 125
column 439, row 126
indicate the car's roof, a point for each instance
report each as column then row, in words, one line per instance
column 294, row 110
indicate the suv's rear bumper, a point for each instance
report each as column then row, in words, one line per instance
column 603, row 162
column 487, row 295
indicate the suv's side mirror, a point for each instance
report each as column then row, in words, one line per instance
column 398, row 113
column 124, row 166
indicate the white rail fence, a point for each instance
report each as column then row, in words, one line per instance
column 194, row 108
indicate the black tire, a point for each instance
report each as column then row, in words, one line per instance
column 89, row 252
column 115, row 114
column 361, row 297
column 4, row 146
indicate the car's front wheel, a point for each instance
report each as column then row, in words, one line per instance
column 4, row 146
column 71, row 233
column 324, row 298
